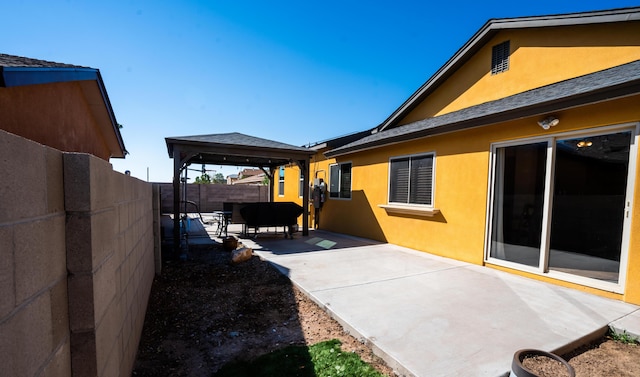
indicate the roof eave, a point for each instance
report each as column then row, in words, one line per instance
column 606, row 94
column 19, row 76
column 112, row 116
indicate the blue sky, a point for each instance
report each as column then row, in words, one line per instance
column 296, row 72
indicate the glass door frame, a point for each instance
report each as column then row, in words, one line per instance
column 543, row 268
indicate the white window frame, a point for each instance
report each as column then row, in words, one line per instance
column 542, row 269
column 339, row 197
column 427, row 210
column 281, row 173
column 301, row 186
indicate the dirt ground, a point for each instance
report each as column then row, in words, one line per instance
column 206, row 312
column 606, row 357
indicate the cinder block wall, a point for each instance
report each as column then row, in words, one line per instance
column 34, row 321
column 209, row 197
column 76, row 262
column 110, row 259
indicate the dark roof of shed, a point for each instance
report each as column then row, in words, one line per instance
column 488, row 31
column 616, row 82
column 235, row 149
column 20, row 71
column 21, row 61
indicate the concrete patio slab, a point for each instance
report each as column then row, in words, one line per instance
column 432, row 316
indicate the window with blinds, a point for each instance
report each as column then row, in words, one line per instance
column 340, row 180
column 411, row 180
column 500, row 58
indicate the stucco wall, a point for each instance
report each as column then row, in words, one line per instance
column 539, row 57
column 76, row 262
column 461, row 189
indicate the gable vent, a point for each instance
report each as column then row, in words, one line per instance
column 500, row 58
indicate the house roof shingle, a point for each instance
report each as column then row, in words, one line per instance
column 616, row 82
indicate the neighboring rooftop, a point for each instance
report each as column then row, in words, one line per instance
column 21, row 61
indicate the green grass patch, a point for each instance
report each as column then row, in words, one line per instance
column 325, row 359
column 623, row 337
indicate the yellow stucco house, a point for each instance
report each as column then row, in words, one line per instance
column 520, row 154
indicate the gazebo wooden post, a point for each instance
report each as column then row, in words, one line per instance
column 271, row 184
column 269, row 172
column 177, row 167
column 304, row 166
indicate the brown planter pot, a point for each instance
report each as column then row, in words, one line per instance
column 518, row 370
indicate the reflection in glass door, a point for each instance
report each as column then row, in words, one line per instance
column 583, row 182
column 518, row 203
column 589, row 194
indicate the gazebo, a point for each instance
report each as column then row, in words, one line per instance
column 234, row 149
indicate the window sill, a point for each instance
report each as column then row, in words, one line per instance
column 409, row 210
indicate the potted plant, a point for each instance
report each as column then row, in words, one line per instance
column 537, row 363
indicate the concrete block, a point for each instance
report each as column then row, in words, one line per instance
column 81, row 298
column 130, row 295
column 112, row 364
column 7, row 272
column 126, row 273
column 79, row 241
column 107, row 339
column 127, row 327
column 105, row 189
column 54, row 180
column 104, row 287
column 25, row 160
column 25, row 339
column 127, row 361
column 77, row 182
column 130, row 240
column 103, row 235
column 123, row 217
column 90, row 183
column 60, row 363
column 40, row 255
column 59, row 313
column 83, row 353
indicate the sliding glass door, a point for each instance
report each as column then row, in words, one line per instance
column 518, row 205
column 559, row 205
